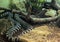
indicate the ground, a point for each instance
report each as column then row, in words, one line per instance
column 41, row 33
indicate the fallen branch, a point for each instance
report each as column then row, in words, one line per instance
column 36, row 20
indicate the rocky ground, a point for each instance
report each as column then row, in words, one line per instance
column 43, row 33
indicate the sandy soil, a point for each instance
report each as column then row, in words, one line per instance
column 42, row 33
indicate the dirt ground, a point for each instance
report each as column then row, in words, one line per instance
column 43, row 33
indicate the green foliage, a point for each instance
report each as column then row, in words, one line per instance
column 14, row 4
column 20, row 5
column 41, row 1
column 5, row 3
column 37, row 4
column 51, row 12
column 58, row 3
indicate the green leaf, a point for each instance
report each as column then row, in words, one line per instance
column 5, row 3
